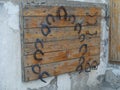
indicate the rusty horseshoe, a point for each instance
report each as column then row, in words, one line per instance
column 42, row 74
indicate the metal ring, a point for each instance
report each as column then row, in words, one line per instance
column 36, row 66
column 58, row 12
column 80, row 27
column 72, row 16
column 38, row 41
column 47, row 19
column 83, row 37
column 41, row 76
column 43, row 27
column 35, row 54
column 85, row 46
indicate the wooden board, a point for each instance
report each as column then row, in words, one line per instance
column 114, row 55
column 61, row 47
column 58, row 68
column 43, row 11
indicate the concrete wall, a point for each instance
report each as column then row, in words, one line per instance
column 10, row 58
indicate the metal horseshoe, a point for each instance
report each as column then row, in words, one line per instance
column 70, row 17
column 38, row 41
column 47, row 19
column 94, row 65
column 42, row 74
column 47, row 27
column 79, row 67
column 82, row 37
column 91, row 17
column 35, row 54
column 80, row 27
column 87, row 69
column 59, row 10
column 83, row 46
column 36, row 66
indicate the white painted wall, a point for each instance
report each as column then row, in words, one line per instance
column 10, row 54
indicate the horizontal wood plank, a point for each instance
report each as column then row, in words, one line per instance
column 45, row 10
column 30, row 35
column 58, row 68
column 60, row 45
column 33, row 22
column 60, row 56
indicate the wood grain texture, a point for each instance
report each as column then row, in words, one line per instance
column 33, row 22
column 45, row 10
column 58, row 68
column 30, row 35
column 60, row 45
column 59, row 56
column 114, row 54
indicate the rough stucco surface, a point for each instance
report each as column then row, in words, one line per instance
column 10, row 57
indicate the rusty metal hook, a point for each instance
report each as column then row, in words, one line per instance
column 59, row 10
column 35, row 54
column 47, row 19
column 80, row 27
column 72, row 16
column 42, row 74
column 85, row 46
column 47, row 27
column 38, row 41
column 36, row 66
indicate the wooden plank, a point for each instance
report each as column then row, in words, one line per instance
column 114, row 54
column 58, row 68
column 30, row 35
column 33, row 22
column 59, row 56
column 60, row 45
column 45, row 10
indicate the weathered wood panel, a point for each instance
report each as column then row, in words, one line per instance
column 62, row 44
column 33, row 22
column 58, row 56
column 57, row 68
column 114, row 54
column 30, row 35
column 77, row 11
